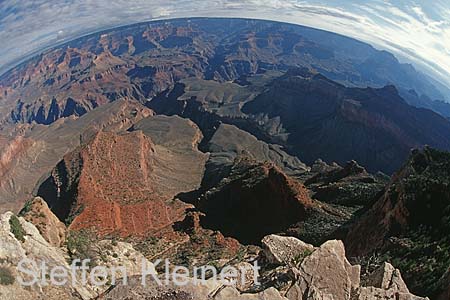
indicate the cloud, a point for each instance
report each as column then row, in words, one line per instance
column 418, row 33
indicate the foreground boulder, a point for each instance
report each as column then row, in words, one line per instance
column 323, row 274
column 326, row 273
column 22, row 240
column 279, row 250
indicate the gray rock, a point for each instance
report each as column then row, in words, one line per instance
column 386, row 283
column 328, row 271
column 387, row 277
column 279, row 250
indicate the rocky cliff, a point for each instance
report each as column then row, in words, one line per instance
column 126, row 184
column 35, row 150
column 315, row 117
column 409, row 222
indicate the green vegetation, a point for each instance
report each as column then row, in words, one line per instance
column 26, row 208
column 6, row 277
column 298, row 259
column 422, row 251
column 423, row 261
column 17, row 229
column 73, row 215
column 80, row 245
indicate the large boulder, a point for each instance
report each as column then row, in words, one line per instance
column 328, row 271
column 280, row 250
column 386, row 283
column 327, row 275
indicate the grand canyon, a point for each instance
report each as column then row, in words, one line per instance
column 225, row 141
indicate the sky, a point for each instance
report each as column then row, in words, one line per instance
column 415, row 30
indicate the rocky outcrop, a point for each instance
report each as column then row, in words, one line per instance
column 350, row 185
column 323, row 274
column 253, row 200
column 386, row 283
column 122, row 184
column 27, row 159
column 387, row 277
column 326, row 273
column 280, row 250
column 408, row 220
column 50, row 227
column 35, row 248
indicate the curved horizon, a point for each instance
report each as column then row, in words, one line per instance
column 380, row 23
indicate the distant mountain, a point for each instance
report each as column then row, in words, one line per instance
column 318, row 118
column 424, row 101
column 139, row 61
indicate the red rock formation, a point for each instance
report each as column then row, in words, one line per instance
column 36, row 149
column 125, row 184
column 10, row 151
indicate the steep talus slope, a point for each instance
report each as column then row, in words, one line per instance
column 409, row 224
column 124, row 183
column 36, row 149
column 319, row 118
